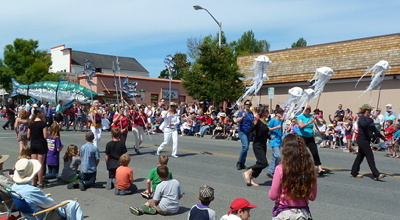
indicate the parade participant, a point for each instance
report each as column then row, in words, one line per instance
column 259, row 146
column 294, row 182
column 95, row 117
column 37, row 133
column 121, row 121
column 170, row 129
column 366, row 130
column 306, row 123
column 21, row 129
column 275, row 128
column 139, row 120
column 59, row 113
column 245, row 120
column 10, row 110
column 239, row 210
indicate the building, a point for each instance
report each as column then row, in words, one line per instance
column 66, row 60
column 151, row 90
column 349, row 60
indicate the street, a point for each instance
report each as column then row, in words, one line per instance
column 212, row 162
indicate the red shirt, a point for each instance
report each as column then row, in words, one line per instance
column 389, row 132
column 123, row 123
column 139, row 119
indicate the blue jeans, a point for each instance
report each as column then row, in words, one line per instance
column 245, row 138
column 132, row 190
column 276, row 158
column 89, row 179
column 53, row 172
column 78, row 119
column 203, row 129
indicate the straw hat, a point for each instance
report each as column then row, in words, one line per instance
column 25, row 170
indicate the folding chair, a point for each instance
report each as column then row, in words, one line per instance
column 27, row 212
column 6, row 204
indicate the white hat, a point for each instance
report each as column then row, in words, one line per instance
column 389, row 105
column 26, row 170
column 3, row 158
column 35, row 105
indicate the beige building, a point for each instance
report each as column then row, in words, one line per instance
column 349, row 60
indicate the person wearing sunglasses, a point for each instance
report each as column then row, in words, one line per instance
column 245, row 121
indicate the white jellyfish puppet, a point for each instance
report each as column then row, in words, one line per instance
column 261, row 63
column 292, row 102
column 306, row 99
column 377, row 77
column 321, row 77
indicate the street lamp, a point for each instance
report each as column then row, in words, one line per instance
column 198, row 7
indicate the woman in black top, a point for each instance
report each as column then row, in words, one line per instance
column 37, row 133
column 261, row 135
column 366, row 131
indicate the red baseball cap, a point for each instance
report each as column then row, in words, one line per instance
column 240, row 203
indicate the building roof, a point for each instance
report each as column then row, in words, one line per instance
column 348, row 59
column 105, row 61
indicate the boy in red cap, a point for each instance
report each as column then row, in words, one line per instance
column 240, row 209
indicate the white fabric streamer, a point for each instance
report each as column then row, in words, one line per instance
column 260, row 65
column 322, row 76
column 306, row 99
column 291, row 104
column 377, row 77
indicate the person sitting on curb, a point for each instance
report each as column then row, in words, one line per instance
column 25, row 171
column 166, row 197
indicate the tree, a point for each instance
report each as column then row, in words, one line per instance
column 247, row 44
column 181, row 66
column 24, row 62
column 301, row 42
column 214, row 76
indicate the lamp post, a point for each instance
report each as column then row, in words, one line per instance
column 170, row 64
column 198, row 7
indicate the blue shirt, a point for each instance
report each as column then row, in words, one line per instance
column 277, row 133
column 36, row 199
column 247, row 121
column 396, row 135
column 308, row 130
column 89, row 154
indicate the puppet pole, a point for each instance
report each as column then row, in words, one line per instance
column 379, row 97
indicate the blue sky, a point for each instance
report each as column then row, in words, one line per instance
column 150, row 30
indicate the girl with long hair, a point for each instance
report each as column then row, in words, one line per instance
column 53, row 154
column 21, row 129
column 37, row 133
column 294, row 182
column 72, row 160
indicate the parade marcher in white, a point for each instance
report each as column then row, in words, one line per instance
column 170, row 129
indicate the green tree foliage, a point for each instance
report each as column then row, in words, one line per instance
column 24, row 62
column 214, row 76
column 301, row 42
column 247, row 44
column 181, row 67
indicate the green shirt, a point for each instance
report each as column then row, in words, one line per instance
column 155, row 180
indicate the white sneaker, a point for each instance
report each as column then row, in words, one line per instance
column 174, row 156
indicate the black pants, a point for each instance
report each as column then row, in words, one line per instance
column 364, row 150
column 310, row 142
column 10, row 121
column 260, row 151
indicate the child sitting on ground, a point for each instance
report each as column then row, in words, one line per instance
column 153, row 180
column 124, row 177
column 166, row 197
column 25, row 153
column 70, row 172
column 203, row 211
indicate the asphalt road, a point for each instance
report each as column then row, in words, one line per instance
column 205, row 161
